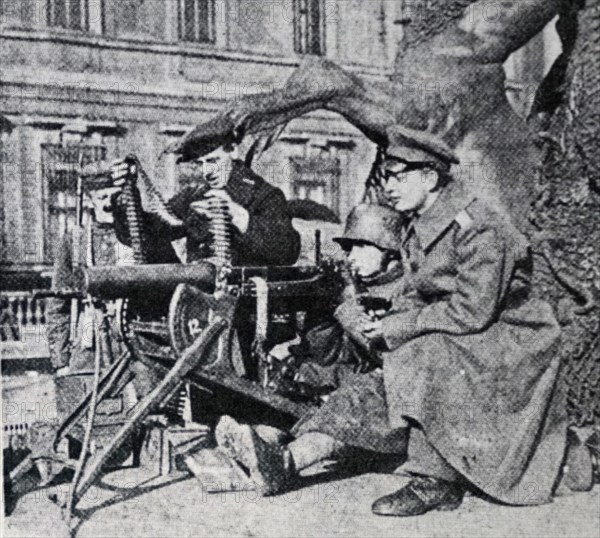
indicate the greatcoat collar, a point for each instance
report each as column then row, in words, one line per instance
column 437, row 219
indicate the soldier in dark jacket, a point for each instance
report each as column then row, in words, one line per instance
column 262, row 233
column 262, row 225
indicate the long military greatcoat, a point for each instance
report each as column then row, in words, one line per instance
column 474, row 362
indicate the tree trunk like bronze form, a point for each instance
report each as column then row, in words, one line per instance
column 450, row 79
column 567, row 205
column 451, row 82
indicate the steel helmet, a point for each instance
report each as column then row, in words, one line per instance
column 376, row 224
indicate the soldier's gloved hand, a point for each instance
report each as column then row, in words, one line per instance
column 351, row 316
column 123, row 168
column 213, row 199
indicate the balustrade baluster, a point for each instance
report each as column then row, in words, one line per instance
column 42, row 311
column 20, row 312
column 31, row 304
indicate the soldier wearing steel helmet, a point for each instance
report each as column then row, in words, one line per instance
column 337, row 357
column 335, row 347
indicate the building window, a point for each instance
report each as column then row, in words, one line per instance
column 70, row 14
column 316, row 179
column 60, row 166
column 197, row 21
column 137, row 19
column 309, row 27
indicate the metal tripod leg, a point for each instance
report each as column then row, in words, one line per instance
column 107, row 383
column 187, row 362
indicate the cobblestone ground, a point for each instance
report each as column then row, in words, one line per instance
column 176, row 506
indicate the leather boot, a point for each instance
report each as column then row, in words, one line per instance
column 419, row 496
column 268, row 465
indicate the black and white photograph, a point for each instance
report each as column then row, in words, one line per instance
column 300, row 268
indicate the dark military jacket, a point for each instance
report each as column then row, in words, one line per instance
column 269, row 240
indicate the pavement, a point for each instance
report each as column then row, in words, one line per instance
column 137, row 502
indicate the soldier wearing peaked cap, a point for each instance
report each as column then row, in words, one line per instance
column 478, row 338
column 411, row 146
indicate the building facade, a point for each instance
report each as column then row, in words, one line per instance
column 98, row 79
column 82, row 80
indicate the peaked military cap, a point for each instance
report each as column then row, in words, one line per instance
column 410, row 145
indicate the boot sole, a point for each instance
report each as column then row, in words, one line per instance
column 239, row 442
column 443, row 507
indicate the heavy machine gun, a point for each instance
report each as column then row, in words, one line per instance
column 182, row 321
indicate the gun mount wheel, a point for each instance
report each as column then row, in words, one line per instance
column 147, row 334
column 166, row 330
column 189, row 315
column 191, row 311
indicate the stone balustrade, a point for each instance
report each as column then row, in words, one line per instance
column 22, row 326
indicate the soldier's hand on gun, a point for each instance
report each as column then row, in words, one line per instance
column 372, row 328
column 213, row 200
column 370, row 322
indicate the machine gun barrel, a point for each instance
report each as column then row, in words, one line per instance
column 114, row 282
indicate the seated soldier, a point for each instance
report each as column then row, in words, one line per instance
column 333, row 349
column 262, row 225
column 469, row 369
column 352, row 419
